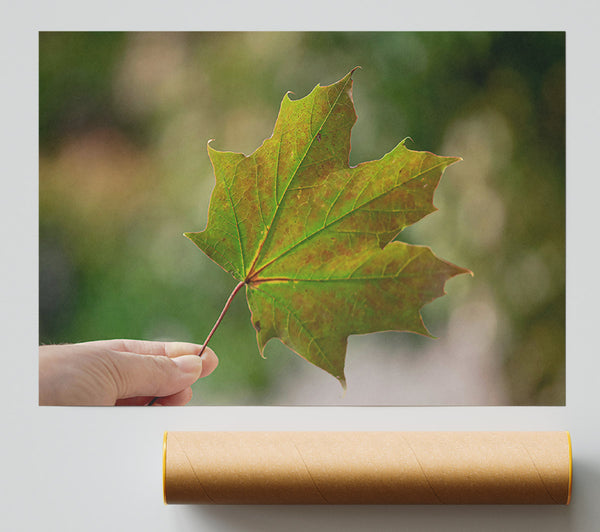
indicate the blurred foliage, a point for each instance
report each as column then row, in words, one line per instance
column 124, row 121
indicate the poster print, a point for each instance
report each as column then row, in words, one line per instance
column 124, row 171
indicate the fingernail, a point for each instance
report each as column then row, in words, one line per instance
column 189, row 364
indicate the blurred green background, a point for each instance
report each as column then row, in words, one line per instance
column 124, row 120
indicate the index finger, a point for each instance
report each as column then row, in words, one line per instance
column 146, row 347
column 169, row 349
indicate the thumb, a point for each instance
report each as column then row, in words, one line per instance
column 154, row 375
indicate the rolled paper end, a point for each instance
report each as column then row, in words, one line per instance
column 570, row 467
column 164, row 466
column 367, row 468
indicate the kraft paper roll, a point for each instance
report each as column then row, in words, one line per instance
column 367, row 467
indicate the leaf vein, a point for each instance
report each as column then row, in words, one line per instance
column 302, row 326
column 308, row 237
column 294, row 173
column 237, row 225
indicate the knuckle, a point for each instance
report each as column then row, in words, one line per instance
column 115, row 372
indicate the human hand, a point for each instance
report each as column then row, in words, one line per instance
column 121, row 372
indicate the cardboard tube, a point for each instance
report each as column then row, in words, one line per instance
column 367, row 467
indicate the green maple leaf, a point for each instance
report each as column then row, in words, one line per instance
column 310, row 237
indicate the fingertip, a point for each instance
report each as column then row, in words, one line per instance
column 209, row 362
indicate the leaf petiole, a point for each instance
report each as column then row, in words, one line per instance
column 220, row 318
column 217, row 323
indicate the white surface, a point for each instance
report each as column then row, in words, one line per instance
column 97, row 469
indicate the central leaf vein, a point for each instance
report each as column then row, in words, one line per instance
column 293, row 176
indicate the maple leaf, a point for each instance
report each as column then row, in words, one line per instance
column 310, row 237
